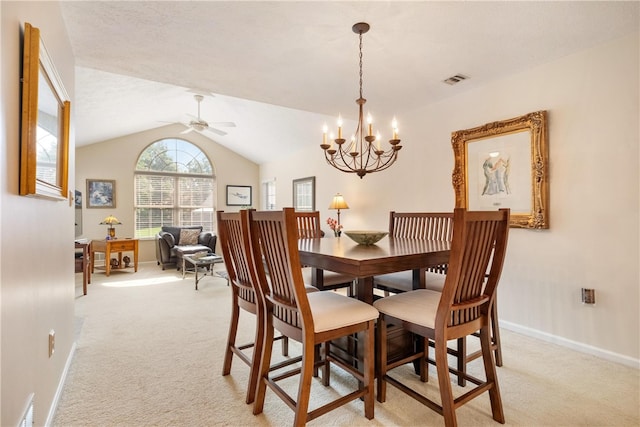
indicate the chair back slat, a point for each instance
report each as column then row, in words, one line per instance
column 308, row 224
column 275, row 240
column 479, row 246
column 421, row 225
column 236, row 250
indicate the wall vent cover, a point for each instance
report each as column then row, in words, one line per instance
column 455, row 79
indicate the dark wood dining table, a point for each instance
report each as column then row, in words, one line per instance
column 389, row 255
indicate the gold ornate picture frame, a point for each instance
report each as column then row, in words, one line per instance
column 44, row 140
column 504, row 164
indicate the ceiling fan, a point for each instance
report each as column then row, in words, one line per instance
column 200, row 125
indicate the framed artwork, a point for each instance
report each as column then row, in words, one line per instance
column 44, row 137
column 101, row 193
column 78, row 212
column 239, row 195
column 504, row 165
column 304, row 194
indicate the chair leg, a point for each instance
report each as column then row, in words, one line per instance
column 381, row 343
column 256, row 358
column 231, row 340
column 461, row 354
column 461, row 360
column 495, row 334
column 492, row 378
column 424, row 360
column 317, row 355
column 304, row 389
column 444, row 382
column 369, row 372
column 324, row 349
column 265, row 363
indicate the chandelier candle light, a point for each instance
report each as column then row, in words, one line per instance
column 361, row 156
column 111, row 231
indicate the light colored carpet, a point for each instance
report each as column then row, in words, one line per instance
column 150, row 350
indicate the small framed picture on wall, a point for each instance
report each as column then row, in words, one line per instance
column 101, row 193
column 238, row 195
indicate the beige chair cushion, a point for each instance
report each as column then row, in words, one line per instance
column 417, row 306
column 403, row 281
column 331, row 310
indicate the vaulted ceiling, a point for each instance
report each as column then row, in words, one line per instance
column 280, row 69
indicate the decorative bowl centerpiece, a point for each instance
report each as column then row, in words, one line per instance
column 366, row 237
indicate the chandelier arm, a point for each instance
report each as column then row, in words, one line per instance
column 344, row 167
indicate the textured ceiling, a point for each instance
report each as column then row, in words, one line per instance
column 281, row 69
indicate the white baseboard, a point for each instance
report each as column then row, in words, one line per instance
column 63, row 378
column 574, row 345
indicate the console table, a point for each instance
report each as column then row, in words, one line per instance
column 117, row 245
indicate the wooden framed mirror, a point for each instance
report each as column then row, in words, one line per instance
column 44, row 150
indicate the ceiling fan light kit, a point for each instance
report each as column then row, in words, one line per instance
column 201, row 125
column 361, row 156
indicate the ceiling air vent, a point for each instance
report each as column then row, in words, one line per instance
column 455, row 79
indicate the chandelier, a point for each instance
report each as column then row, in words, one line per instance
column 363, row 153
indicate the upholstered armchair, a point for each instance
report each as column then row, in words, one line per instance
column 172, row 242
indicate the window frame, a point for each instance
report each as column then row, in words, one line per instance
column 181, row 214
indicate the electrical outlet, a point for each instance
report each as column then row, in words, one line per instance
column 52, row 342
column 588, row 296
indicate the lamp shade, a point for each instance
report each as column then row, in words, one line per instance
column 110, row 220
column 338, row 202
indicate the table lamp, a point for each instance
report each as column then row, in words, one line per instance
column 338, row 203
column 110, row 221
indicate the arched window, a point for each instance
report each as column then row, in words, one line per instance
column 174, row 185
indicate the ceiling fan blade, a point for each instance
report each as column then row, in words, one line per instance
column 194, row 117
column 224, row 124
column 187, row 130
column 216, row 131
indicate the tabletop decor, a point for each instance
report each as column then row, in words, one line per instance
column 504, row 165
column 338, row 203
column 366, row 237
column 335, row 227
column 111, row 230
column 361, row 156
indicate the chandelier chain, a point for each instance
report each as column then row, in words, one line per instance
column 360, row 64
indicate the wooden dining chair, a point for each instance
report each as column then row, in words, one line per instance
column 308, row 224
column 463, row 307
column 233, row 235
column 433, row 226
column 417, row 225
column 311, row 319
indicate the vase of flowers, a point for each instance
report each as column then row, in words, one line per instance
column 335, row 227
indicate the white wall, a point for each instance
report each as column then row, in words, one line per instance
column 592, row 99
column 36, row 236
column 116, row 159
